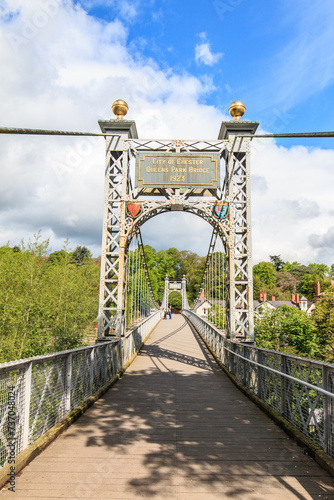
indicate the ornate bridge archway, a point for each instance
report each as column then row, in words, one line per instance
column 202, row 209
column 222, row 200
column 178, row 287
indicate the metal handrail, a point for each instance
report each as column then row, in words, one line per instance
column 307, row 406
column 38, row 392
column 286, row 375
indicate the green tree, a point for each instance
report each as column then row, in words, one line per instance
column 331, row 271
column 321, row 270
column 307, row 285
column 323, row 317
column 46, row 302
column 277, row 261
column 217, row 316
column 266, row 272
column 286, row 329
column 257, row 287
column 286, row 281
column 175, row 300
column 192, row 266
column 80, row 255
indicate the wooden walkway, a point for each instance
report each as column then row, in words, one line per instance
column 174, row 427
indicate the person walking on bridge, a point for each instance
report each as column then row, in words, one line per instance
column 170, row 312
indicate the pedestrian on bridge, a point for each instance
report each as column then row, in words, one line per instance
column 170, row 312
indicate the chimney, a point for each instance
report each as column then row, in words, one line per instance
column 273, row 298
column 202, row 296
column 297, row 299
column 317, row 289
column 264, row 296
column 293, row 297
column 261, row 296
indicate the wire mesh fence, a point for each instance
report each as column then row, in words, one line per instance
column 37, row 393
column 299, row 389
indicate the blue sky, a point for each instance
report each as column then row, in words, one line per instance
column 277, row 56
column 179, row 65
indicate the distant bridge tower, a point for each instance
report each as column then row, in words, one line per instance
column 135, row 192
column 175, row 286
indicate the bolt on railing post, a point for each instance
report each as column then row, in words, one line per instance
column 26, row 407
column 68, row 383
column 283, row 384
column 327, row 409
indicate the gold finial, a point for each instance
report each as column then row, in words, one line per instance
column 119, row 108
column 237, row 109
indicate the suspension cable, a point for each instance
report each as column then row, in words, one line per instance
column 213, row 283
column 28, row 131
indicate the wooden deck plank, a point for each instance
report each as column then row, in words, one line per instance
column 174, row 427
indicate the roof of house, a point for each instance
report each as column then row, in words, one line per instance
column 219, row 302
column 278, row 303
column 275, row 303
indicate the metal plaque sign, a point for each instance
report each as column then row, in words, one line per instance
column 175, row 286
column 156, row 170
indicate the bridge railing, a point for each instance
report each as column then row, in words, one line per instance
column 299, row 389
column 37, row 393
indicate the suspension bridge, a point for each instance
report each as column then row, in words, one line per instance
column 198, row 410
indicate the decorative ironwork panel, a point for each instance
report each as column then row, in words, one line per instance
column 138, row 145
column 121, row 223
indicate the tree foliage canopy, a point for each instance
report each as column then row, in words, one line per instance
column 286, row 329
column 281, row 278
column 46, row 300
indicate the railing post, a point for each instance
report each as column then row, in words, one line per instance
column 245, row 366
column 253, row 371
column 91, row 371
column 105, row 363
column 223, row 351
column 327, row 409
column 26, row 414
column 259, row 374
column 68, row 383
column 234, row 361
column 283, row 385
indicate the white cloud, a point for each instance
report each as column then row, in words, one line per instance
column 68, row 82
column 295, row 203
column 65, row 75
column 127, row 9
column 203, row 53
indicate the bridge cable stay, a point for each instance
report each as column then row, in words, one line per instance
column 27, row 131
column 212, row 287
column 140, row 301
